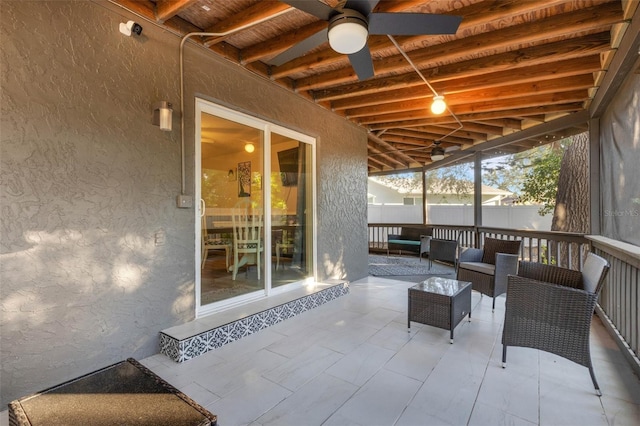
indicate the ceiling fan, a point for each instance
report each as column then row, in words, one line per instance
column 437, row 152
column 350, row 24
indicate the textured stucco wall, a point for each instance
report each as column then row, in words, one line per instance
column 95, row 257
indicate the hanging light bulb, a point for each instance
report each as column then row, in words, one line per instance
column 438, row 106
column 249, row 147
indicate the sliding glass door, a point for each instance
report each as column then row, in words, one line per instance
column 291, row 209
column 247, row 247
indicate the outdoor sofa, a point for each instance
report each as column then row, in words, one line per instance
column 408, row 240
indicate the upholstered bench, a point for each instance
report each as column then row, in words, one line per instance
column 408, row 240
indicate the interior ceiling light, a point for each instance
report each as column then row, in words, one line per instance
column 249, row 147
column 437, row 153
column 438, row 106
column 348, row 32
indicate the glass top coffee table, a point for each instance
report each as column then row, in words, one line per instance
column 439, row 302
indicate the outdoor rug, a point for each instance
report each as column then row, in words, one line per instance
column 381, row 266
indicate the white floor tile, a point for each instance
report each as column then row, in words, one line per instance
column 247, row 403
column 510, row 392
column 312, row 404
column 199, row 394
column 231, row 375
column 297, row 371
column 361, row 364
column 484, row 415
column 380, row 401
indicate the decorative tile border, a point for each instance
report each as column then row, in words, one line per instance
column 191, row 347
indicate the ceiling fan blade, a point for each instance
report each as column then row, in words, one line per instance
column 413, row 23
column 363, row 6
column 300, row 49
column 452, row 148
column 362, row 63
column 313, row 7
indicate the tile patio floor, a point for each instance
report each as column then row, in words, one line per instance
column 352, row 362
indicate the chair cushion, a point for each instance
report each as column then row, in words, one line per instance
column 592, row 272
column 483, row 268
column 406, row 242
column 494, row 245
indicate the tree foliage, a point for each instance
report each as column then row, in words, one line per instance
column 540, row 184
column 531, row 175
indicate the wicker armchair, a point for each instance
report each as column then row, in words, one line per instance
column 550, row 308
column 488, row 268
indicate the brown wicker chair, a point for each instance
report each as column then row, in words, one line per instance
column 550, row 308
column 488, row 268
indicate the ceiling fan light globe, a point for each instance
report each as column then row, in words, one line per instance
column 348, row 36
column 438, row 106
column 437, row 154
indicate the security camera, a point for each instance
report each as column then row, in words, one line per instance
column 130, row 27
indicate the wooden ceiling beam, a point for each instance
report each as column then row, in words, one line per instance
column 584, row 81
column 483, row 106
column 384, row 146
column 167, row 9
column 486, row 129
column 574, row 106
column 485, row 79
column 417, row 132
column 382, row 160
column 503, row 122
column 383, row 97
column 278, row 45
column 426, row 138
column 423, row 92
column 264, row 9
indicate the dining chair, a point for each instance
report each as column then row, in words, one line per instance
column 211, row 243
column 248, row 224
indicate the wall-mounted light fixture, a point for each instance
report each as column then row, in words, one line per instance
column 162, row 115
column 249, row 147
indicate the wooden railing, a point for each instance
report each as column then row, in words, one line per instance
column 619, row 302
column 556, row 248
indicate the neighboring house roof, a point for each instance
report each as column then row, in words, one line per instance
column 438, row 190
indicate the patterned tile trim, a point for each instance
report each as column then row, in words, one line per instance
column 191, row 347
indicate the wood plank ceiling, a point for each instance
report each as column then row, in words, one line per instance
column 512, row 65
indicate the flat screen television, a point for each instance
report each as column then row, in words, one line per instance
column 288, row 161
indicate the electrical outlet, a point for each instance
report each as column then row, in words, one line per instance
column 185, row 201
column 159, row 238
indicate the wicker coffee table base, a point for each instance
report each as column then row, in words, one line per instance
column 439, row 310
